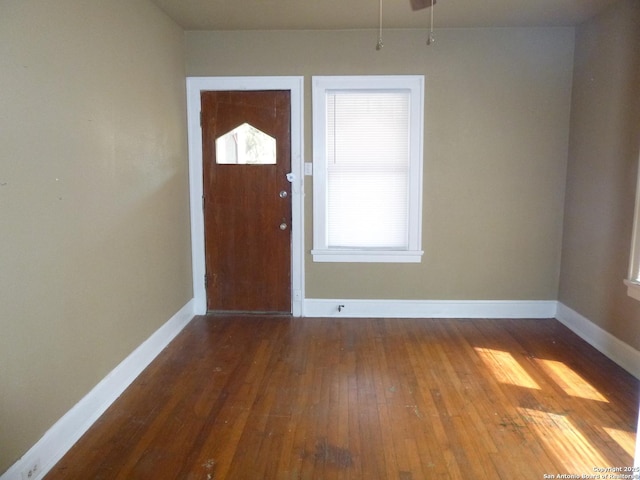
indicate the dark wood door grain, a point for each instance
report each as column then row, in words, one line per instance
column 248, row 254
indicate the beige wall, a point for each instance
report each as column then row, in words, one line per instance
column 496, row 139
column 603, row 160
column 94, row 226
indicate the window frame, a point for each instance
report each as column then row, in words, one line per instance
column 633, row 280
column 414, row 84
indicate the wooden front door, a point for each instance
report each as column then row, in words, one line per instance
column 247, row 200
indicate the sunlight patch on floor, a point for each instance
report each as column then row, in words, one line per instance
column 506, row 368
column 627, row 440
column 572, row 383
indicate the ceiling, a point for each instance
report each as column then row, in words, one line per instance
column 358, row 14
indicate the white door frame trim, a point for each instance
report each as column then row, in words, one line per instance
column 195, row 85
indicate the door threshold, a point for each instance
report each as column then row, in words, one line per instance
column 249, row 313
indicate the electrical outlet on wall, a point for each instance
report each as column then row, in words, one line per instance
column 32, row 470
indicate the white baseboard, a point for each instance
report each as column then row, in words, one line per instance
column 349, row 308
column 615, row 349
column 66, row 431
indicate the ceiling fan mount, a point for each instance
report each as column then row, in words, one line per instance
column 421, row 4
column 415, row 5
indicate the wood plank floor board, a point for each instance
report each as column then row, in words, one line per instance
column 264, row 397
column 396, row 399
column 395, row 460
column 420, row 391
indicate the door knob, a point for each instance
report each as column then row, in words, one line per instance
column 283, row 226
column 284, row 194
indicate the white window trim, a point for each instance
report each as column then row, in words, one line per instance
column 633, row 281
column 633, row 289
column 321, row 252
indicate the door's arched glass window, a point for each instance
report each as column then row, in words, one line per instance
column 246, row 145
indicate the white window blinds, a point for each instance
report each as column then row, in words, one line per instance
column 367, row 149
column 367, row 168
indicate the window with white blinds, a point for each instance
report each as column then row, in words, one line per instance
column 367, row 168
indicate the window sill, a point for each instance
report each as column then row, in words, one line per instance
column 633, row 289
column 367, row 256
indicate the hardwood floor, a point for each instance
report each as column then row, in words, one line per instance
column 282, row 398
